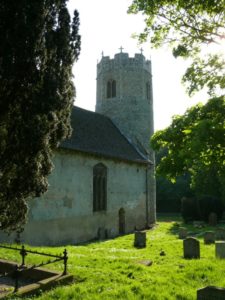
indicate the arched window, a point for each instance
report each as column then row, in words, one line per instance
column 148, row 91
column 99, row 187
column 111, row 88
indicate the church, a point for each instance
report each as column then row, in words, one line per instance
column 103, row 181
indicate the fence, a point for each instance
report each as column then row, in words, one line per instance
column 24, row 252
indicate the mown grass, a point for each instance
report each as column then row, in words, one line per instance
column 111, row 269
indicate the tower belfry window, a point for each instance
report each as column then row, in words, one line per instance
column 99, row 187
column 111, row 88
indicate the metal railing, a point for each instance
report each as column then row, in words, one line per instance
column 22, row 267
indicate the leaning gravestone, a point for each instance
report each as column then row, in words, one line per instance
column 209, row 237
column 220, row 249
column 220, row 234
column 182, row 233
column 211, row 293
column 191, row 248
column 140, row 239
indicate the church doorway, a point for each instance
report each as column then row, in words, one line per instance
column 121, row 221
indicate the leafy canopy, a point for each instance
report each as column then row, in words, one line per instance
column 187, row 26
column 39, row 44
column 196, row 144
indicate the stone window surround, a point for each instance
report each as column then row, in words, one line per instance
column 99, row 187
column 111, row 89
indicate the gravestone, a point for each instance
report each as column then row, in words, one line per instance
column 191, row 248
column 220, row 234
column 209, row 237
column 211, row 293
column 140, row 239
column 102, row 233
column 212, row 219
column 220, row 249
column 182, row 233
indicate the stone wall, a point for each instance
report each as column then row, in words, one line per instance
column 64, row 215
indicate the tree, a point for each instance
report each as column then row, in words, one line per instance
column 39, row 44
column 196, row 145
column 188, row 25
column 195, row 140
column 169, row 193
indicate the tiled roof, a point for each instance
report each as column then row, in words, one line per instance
column 96, row 134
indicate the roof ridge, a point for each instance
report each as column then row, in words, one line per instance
column 90, row 111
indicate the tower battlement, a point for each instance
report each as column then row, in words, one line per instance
column 122, row 60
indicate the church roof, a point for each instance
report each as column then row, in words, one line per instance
column 96, row 134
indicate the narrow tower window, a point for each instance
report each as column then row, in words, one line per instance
column 148, row 94
column 111, row 88
column 99, row 187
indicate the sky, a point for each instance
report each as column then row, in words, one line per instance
column 105, row 26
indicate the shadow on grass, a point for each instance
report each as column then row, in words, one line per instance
column 195, row 228
column 169, row 217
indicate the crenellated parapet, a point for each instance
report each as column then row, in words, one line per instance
column 122, row 60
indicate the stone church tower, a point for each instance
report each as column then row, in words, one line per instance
column 124, row 93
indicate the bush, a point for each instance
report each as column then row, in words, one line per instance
column 189, row 209
column 200, row 209
column 210, row 204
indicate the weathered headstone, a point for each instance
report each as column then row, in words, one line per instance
column 212, row 219
column 140, row 239
column 209, row 237
column 211, row 293
column 191, row 248
column 220, row 249
column 182, row 233
column 102, row 233
column 220, row 234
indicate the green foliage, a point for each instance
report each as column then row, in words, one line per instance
column 193, row 208
column 207, row 73
column 196, row 145
column 187, row 25
column 189, row 209
column 111, row 269
column 39, row 44
column 169, row 194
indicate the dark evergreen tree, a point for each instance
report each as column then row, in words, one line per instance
column 38, row 46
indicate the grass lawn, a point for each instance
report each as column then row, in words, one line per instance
column 111, row 269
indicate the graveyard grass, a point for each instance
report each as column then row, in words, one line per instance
column 111, row 270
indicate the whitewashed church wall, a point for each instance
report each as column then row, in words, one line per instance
column 64, row 215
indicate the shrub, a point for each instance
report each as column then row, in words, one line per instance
column 210, row 204
column 200, row 208
column 189, row 209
